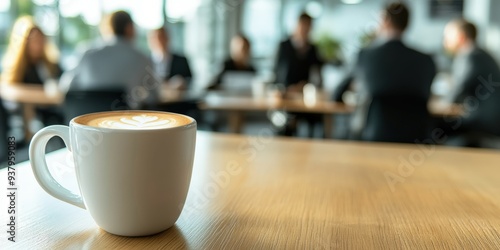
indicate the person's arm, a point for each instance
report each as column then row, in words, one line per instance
column 279, row 64
column 317, row 63
column 463, row 83
column 188, row 73
column 71, row 77
column 346, row 82
column 343, row 86
column 152, row 83
column 216, row 82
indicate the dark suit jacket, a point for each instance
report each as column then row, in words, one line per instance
column 396, row 83
column 480, row 84
column 229, row 65
column 179, row 66
column 291, row 67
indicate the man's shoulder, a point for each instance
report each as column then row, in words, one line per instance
column 479, row 53
column 286, row 42
column 176, row 56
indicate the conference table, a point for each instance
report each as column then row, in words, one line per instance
column 239, row 105
column 31, row 96
column 285, row 193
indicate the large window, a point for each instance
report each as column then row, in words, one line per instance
column 74, row 24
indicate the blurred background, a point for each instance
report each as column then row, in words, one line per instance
column 202, row 29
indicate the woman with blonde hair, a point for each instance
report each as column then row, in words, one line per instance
column 29, row 57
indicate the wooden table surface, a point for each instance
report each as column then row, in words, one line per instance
column 274, row 193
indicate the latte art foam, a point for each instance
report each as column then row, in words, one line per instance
column 134, row 120
column 138, row 122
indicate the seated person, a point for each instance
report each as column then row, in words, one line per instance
column 297, row 57
column 170, row 67
column 476, row 75
column 239, row 60
column 117, row 66
column 30, row 59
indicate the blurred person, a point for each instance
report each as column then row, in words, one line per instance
column 239, row 60
column 171, row 67
column 117, row 65
column 29, row 57
column 297, row 57
column 476, row 77
column 394, row 82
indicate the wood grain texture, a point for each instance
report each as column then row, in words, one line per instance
column 274, row 193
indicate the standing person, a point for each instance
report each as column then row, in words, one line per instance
column 117, row 65
column 169, row 66
column 239, row 60
column 297, row 57
column 395, row 83
column 476, row 77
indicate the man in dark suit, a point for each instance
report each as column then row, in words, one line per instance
column 477, row 80
column 170, row 67
column 297, row 57
column 395, row 83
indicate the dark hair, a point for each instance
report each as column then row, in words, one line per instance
column 304, row 17
column 398, row 15
column 468, row 29
column 119, row 22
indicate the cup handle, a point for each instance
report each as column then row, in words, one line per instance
column 39, row 164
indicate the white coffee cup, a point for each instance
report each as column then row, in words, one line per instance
column 134, row 182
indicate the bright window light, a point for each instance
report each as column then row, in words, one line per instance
column 38, row 2
column 352, row 1
column 69, row 8
column 4, row 6
column 148, row 14
column 180, row 9
column 314, row 9
column 91, row 12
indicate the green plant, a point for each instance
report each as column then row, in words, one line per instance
column 330, row 49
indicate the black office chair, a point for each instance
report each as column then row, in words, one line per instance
column 77, row 103
column 400, row 119
column 3, row 133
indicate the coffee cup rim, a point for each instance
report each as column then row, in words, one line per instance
column 185, row 126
